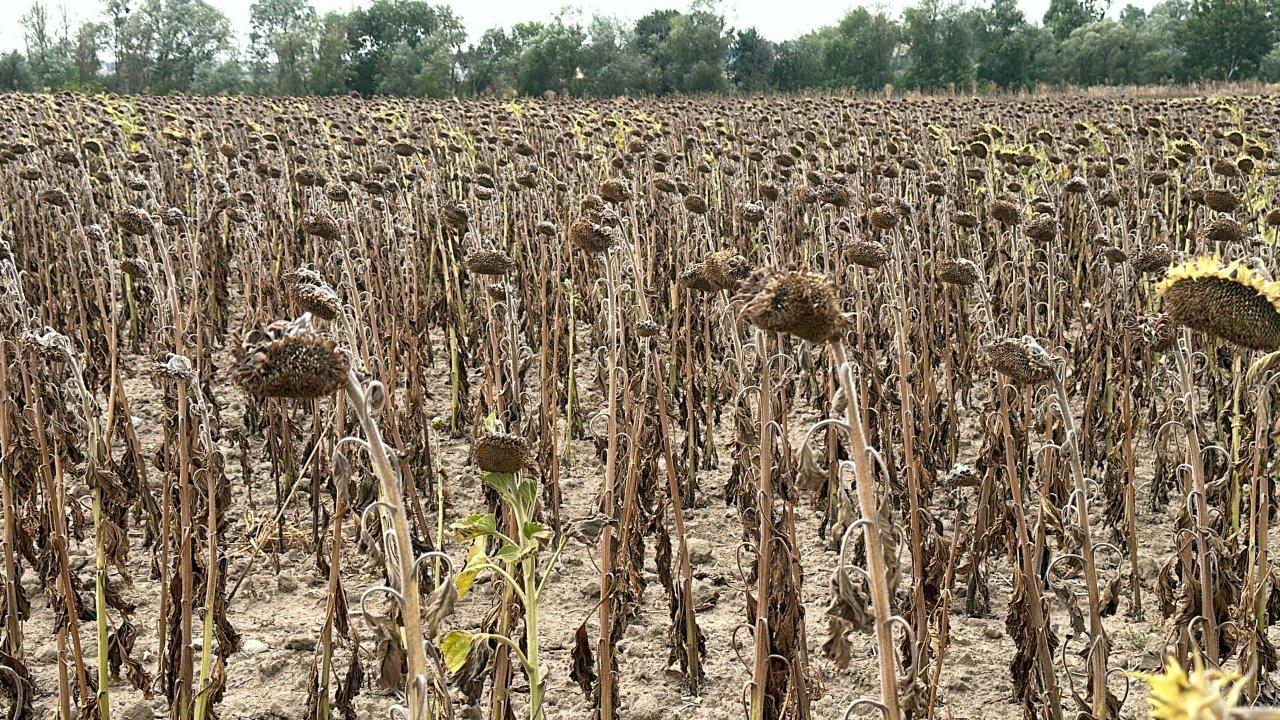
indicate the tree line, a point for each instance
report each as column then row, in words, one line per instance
column 414, row 48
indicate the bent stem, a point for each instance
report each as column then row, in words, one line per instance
column 869, row 506
column 1098, row 659
column 1196, row 462
column 400, row 565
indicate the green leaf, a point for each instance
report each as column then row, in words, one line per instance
column 456, row 646
column 525, row 495
column 508, row 554
column 502, row 483
column 535, row 531
column 476, row 561
column 474, row 526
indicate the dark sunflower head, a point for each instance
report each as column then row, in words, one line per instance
column 616, row 190
column 136, row 268
column 647, row 328
column 321, row 225
column 499, row 453
column 793, row 302
column 1152, row 258
column 488, row 261
column 958, row 271
column 1022, row 360
column 134, row 220
column 1043, row 228
column 726, row 268
column 867, row 253
column 696, row 277
column 56, row 197
column 695, row 204
column 883, row 217
column 1223, row 230
column 751, row 212
column 1229, row 302
column 291, row 360
column 319, row 299
column 591, row 237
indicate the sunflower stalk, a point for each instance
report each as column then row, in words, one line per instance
column 399, row 558
column 869, row 506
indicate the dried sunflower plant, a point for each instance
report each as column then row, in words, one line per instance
column 992, row 380
column 290, row 359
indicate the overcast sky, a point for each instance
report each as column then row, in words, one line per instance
column 776, row 19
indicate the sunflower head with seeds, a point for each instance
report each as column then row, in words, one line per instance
column 1231, row 302
column 1023, row 360
column 794, row 302
column 291, row 360
column 501, row 453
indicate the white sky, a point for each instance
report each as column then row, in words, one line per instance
column 775, row 19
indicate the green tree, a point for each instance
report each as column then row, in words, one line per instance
column 1227, row 39
column 1064, row 16
column 189, row 33
column 860, row 52
column 751, row 59
column 1269, row 68
column 1007, row 46
column 91, row 38
column 611, row 62
column 49, row 49
column 403, row 32
column 160, row 45
column 332, row 73
column 281, row 43
column 549, row 60
column 940, row 45
column 1163, row 58
column 15, row 73
column 691, row 57
column 219, row 77
column 799, row 62
column 1097, row 53
column 489, row 66
column 651, row 31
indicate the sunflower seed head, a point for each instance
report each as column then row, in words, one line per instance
column 793, row 302
column 499, row 453
column 1022, row 360
column 958, row 271
column 487, row 261
column 291, row 360
column 1230, row 302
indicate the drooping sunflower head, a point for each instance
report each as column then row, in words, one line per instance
column 291, row 360
column 489, row 261
column 1199, row 695
column 319, row 299
column 695, row 277
column 726, row 268
column 793, row 302
column 958, row 271
column 500, row 453
column 1230, row 302
column 591, row 237
column 1022, row 360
